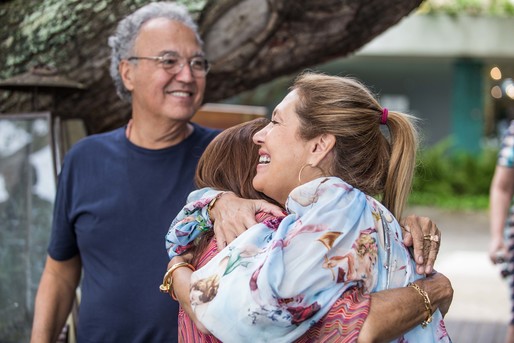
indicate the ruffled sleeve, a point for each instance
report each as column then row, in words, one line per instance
column 192, row 220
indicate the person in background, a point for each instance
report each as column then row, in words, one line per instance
column 501, row 217
column 118, row 190
column 225, row 166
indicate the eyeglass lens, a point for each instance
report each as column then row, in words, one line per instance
column 173, row 64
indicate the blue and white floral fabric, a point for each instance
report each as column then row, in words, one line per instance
column 280, row 277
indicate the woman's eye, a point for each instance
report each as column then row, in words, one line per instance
column 274, row 122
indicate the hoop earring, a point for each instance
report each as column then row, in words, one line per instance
column 300, row 172
column 308, row 165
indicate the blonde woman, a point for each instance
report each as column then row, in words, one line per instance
column 322, row 157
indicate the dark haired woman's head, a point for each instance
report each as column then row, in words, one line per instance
column 229, row 161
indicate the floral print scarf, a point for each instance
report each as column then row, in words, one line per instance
column 279, row 278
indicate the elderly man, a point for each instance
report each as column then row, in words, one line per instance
column 119, row 190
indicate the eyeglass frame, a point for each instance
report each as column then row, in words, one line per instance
column 161, row 59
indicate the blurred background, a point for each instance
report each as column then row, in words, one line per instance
column 448, row 62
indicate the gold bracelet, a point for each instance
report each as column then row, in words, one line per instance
column 211, row 205
column 426, row 302
column 167, row 281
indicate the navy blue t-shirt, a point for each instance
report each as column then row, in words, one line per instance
column 114, row 204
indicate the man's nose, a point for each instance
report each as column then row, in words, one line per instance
column 185, row 74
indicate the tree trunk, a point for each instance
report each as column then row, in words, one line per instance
column 249, row 42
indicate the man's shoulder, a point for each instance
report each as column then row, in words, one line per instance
column 203, row 135
column 96, row 143
column 100, row 138
column 204, row 131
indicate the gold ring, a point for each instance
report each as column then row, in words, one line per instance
column 433, row 238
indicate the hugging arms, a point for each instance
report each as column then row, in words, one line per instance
column 301, row 171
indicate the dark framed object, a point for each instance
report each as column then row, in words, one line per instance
column 28, row 170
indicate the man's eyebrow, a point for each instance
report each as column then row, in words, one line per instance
column 175, row 53
column 169, row 52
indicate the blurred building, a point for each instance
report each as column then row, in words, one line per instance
column 455, row 72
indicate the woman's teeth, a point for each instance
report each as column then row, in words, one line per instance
column 264, row 159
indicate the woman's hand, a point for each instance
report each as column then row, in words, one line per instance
column 233, row 215
column 497, row 248
column 422, row 234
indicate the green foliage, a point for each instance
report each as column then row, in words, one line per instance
column 499, row 8
column 194, row 6
column 454, row 180
column 44, row 29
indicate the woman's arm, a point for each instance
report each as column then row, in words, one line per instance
column 392, row 312
column 396, row 311
column 500, row 197
column 181, row 289
column 209, row 209
column 190, row 222
column 234, row 215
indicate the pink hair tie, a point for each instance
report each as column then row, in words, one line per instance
column 385, row 113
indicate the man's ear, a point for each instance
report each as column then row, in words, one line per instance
column 126, row 72
column 323, row 146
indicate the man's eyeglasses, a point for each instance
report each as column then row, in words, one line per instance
column 173, row 65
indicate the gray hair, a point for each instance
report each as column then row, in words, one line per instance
column 122, row 42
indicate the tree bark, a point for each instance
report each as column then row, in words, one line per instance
column 248, row 42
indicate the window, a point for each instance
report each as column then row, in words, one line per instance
column 27, row 190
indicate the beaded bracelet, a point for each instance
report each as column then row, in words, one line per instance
column 167, row 281
column 426, row 302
